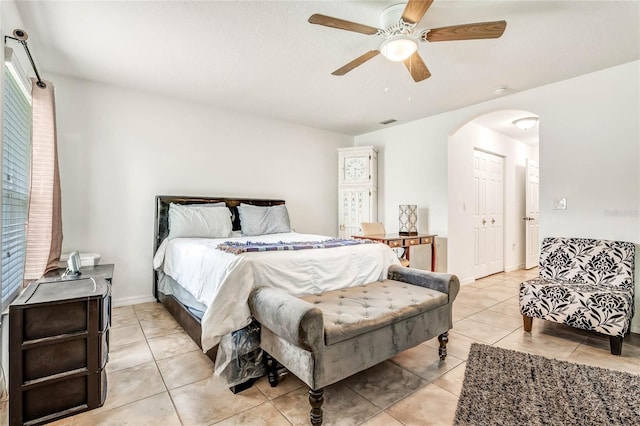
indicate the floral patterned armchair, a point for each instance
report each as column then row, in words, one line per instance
column 584, row 283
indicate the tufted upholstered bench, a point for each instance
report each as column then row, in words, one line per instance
column 327, row 337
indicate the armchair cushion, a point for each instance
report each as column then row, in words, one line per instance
column 586, row 306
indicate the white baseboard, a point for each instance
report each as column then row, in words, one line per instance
column 467, row 281
column 134, row 300
column 514, row 267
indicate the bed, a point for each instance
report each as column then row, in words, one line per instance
column 206, row 289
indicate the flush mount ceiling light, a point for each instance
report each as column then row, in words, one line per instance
column 399, row 47
column 525, row 123
column 500, row 90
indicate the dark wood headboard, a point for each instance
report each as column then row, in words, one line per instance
column 161, row 225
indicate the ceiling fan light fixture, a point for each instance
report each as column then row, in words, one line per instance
column 525, row 123
column 398, row 47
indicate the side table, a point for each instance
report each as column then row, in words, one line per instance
column 405, row 241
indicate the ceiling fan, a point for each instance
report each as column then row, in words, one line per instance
column 398, row 23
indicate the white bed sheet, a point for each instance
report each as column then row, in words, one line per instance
column 223, row 281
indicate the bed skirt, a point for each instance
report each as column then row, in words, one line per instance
column 238, row 358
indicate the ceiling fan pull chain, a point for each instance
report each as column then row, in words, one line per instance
column 386, row 76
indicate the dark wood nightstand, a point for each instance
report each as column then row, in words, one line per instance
column 59, row 346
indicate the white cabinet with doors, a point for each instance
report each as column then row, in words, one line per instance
column 357, row 189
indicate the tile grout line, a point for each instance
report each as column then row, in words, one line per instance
column 164, row 383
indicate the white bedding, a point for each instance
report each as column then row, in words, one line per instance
column 223, row 281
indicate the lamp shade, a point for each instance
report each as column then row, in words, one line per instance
column 408, row 219
column 398, row 48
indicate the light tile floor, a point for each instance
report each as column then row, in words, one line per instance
column 158, row 376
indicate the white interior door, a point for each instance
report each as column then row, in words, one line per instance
column 488, row 217
column 531, row 219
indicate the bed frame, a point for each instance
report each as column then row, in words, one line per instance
column 187, row 320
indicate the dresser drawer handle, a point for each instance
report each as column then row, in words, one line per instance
column 394, row 243
column 413, row 242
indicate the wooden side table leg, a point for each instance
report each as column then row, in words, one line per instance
column 433, row 255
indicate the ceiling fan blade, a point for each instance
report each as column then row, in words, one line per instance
column 478, row 30
column 341, row 24
column 415, row 10
column 417, row 67
column 356, row 62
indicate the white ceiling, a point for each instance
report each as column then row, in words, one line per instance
column 264, row 58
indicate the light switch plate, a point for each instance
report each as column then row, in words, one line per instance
column 560, row 204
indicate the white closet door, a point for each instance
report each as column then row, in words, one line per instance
column 488, row 217
column 532, row 218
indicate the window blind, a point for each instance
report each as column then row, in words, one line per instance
column 15, row 186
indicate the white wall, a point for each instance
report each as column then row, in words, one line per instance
column 120, row 148
column 589, row 153
column 460, row 187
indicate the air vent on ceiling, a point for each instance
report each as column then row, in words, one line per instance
column 389, row 121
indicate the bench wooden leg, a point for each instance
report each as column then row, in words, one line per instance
column 272, row 369
column 316, row 399
column 442, row 350
column 616, row 345
column 527, row 322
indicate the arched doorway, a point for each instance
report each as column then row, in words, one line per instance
column 488, row 158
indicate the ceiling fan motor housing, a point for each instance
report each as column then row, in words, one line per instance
column 389, row 20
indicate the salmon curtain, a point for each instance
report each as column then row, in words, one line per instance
column 44, row 226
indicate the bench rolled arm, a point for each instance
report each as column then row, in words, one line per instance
column 444, row 283
column 293, row 319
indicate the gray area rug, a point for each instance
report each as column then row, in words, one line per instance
column 504, row 387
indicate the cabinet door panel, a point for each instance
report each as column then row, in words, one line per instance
column 357, row 205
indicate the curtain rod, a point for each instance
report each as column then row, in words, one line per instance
column 21, row 36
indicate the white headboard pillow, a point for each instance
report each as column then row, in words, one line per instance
column 199, row 221
column 259, row 220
